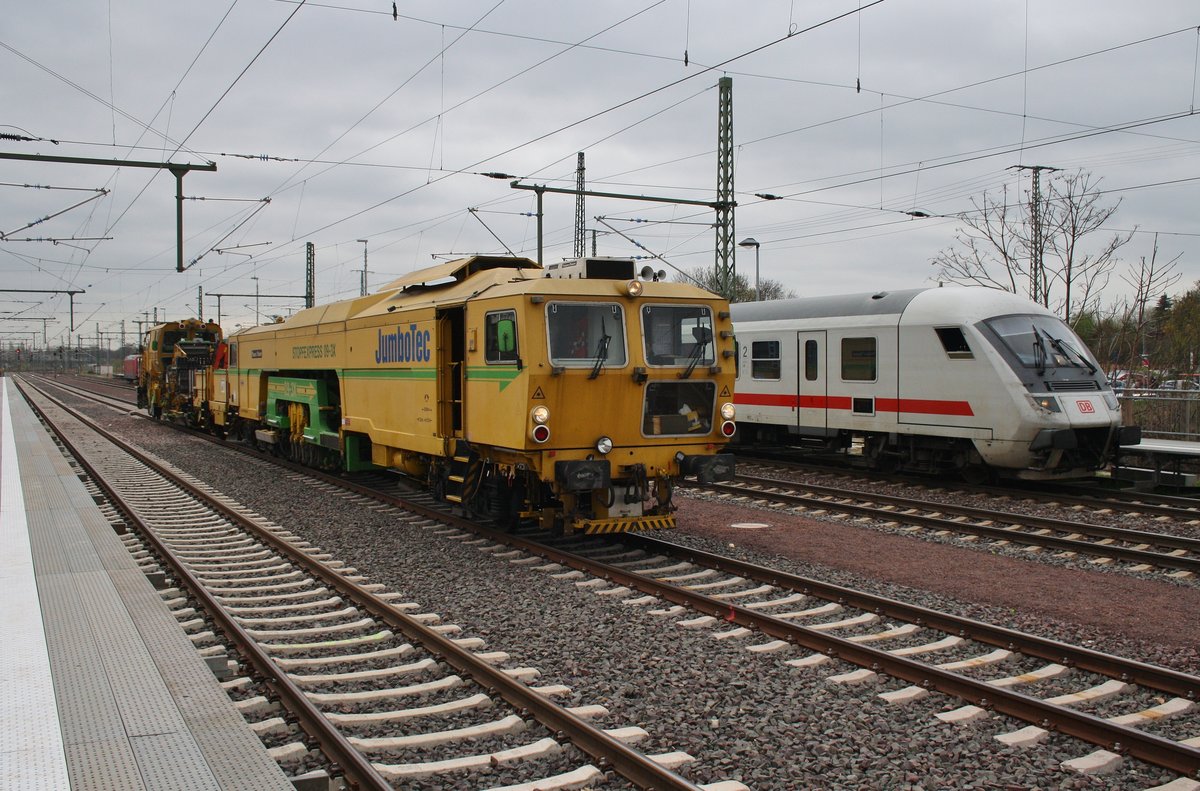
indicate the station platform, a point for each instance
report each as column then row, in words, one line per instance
column 1166, row 458
column 101, row 688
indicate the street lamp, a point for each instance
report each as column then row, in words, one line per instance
column 750, row 241
column 364, row 272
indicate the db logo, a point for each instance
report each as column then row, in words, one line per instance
column 1085, row 407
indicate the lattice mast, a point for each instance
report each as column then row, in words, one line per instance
column 310, row 274
column 725, row 266
column 580, row 217
column 1037, row 241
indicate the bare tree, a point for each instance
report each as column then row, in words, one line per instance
column 1150, row 280
column 706, row 277
column 990, row 247
column 1076, row 213
column 994, row 246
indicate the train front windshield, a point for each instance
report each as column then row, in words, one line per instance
column 678, row 334
column 1043, row 342
column 586, row 334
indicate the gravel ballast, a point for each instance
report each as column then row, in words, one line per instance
column 743, row 717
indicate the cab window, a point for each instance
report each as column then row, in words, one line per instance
column 954, row 343
column 675, row 334
column 581, row 334
column 500, row 337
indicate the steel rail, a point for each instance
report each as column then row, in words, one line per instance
column 1174, row 506
column 610, row 752
column 1159, row 678
column 1065, row 544
column 1126, row 501
column 1032, row 520
column 337, row 748
column 1118, row 738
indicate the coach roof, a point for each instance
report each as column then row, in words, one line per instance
column 880, row 303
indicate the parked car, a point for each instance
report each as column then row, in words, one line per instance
column 1180, row 384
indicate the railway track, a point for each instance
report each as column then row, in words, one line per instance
column 1176, row 556
column 346, row 658
column 1172, row 546
column 1026, row 687
column 991, row 669
column 1065, row 494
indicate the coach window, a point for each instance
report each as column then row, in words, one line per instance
column 858, row 359
column 954, row 342
column 811, row 360
column 233, row 347
column 584, row 334
column 500, row 337
column 764, row 360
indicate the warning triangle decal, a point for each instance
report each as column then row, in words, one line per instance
column 725, row 391
column 538, row 393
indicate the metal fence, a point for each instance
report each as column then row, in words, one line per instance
column 1163, row 414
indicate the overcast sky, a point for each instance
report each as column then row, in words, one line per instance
column 357, row 124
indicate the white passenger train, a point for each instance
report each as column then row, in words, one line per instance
column 972, row 380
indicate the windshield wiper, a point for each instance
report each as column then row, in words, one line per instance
column 601, row 350
column 1039, row 351
column 703, row 336
column 1070, row 351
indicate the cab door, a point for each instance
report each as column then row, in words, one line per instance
column 812, row 384
column 451, row 372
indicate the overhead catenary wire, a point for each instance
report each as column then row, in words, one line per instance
column 413, row 222
column 598, row 114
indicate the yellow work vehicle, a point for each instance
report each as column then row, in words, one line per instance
column 576, row 393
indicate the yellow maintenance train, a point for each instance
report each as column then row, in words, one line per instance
column 576, row 393
column 172, row 374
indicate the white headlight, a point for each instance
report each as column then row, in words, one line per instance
column 1045, row 403
column 540, row 414
column 604, row 445
column 728, row 411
